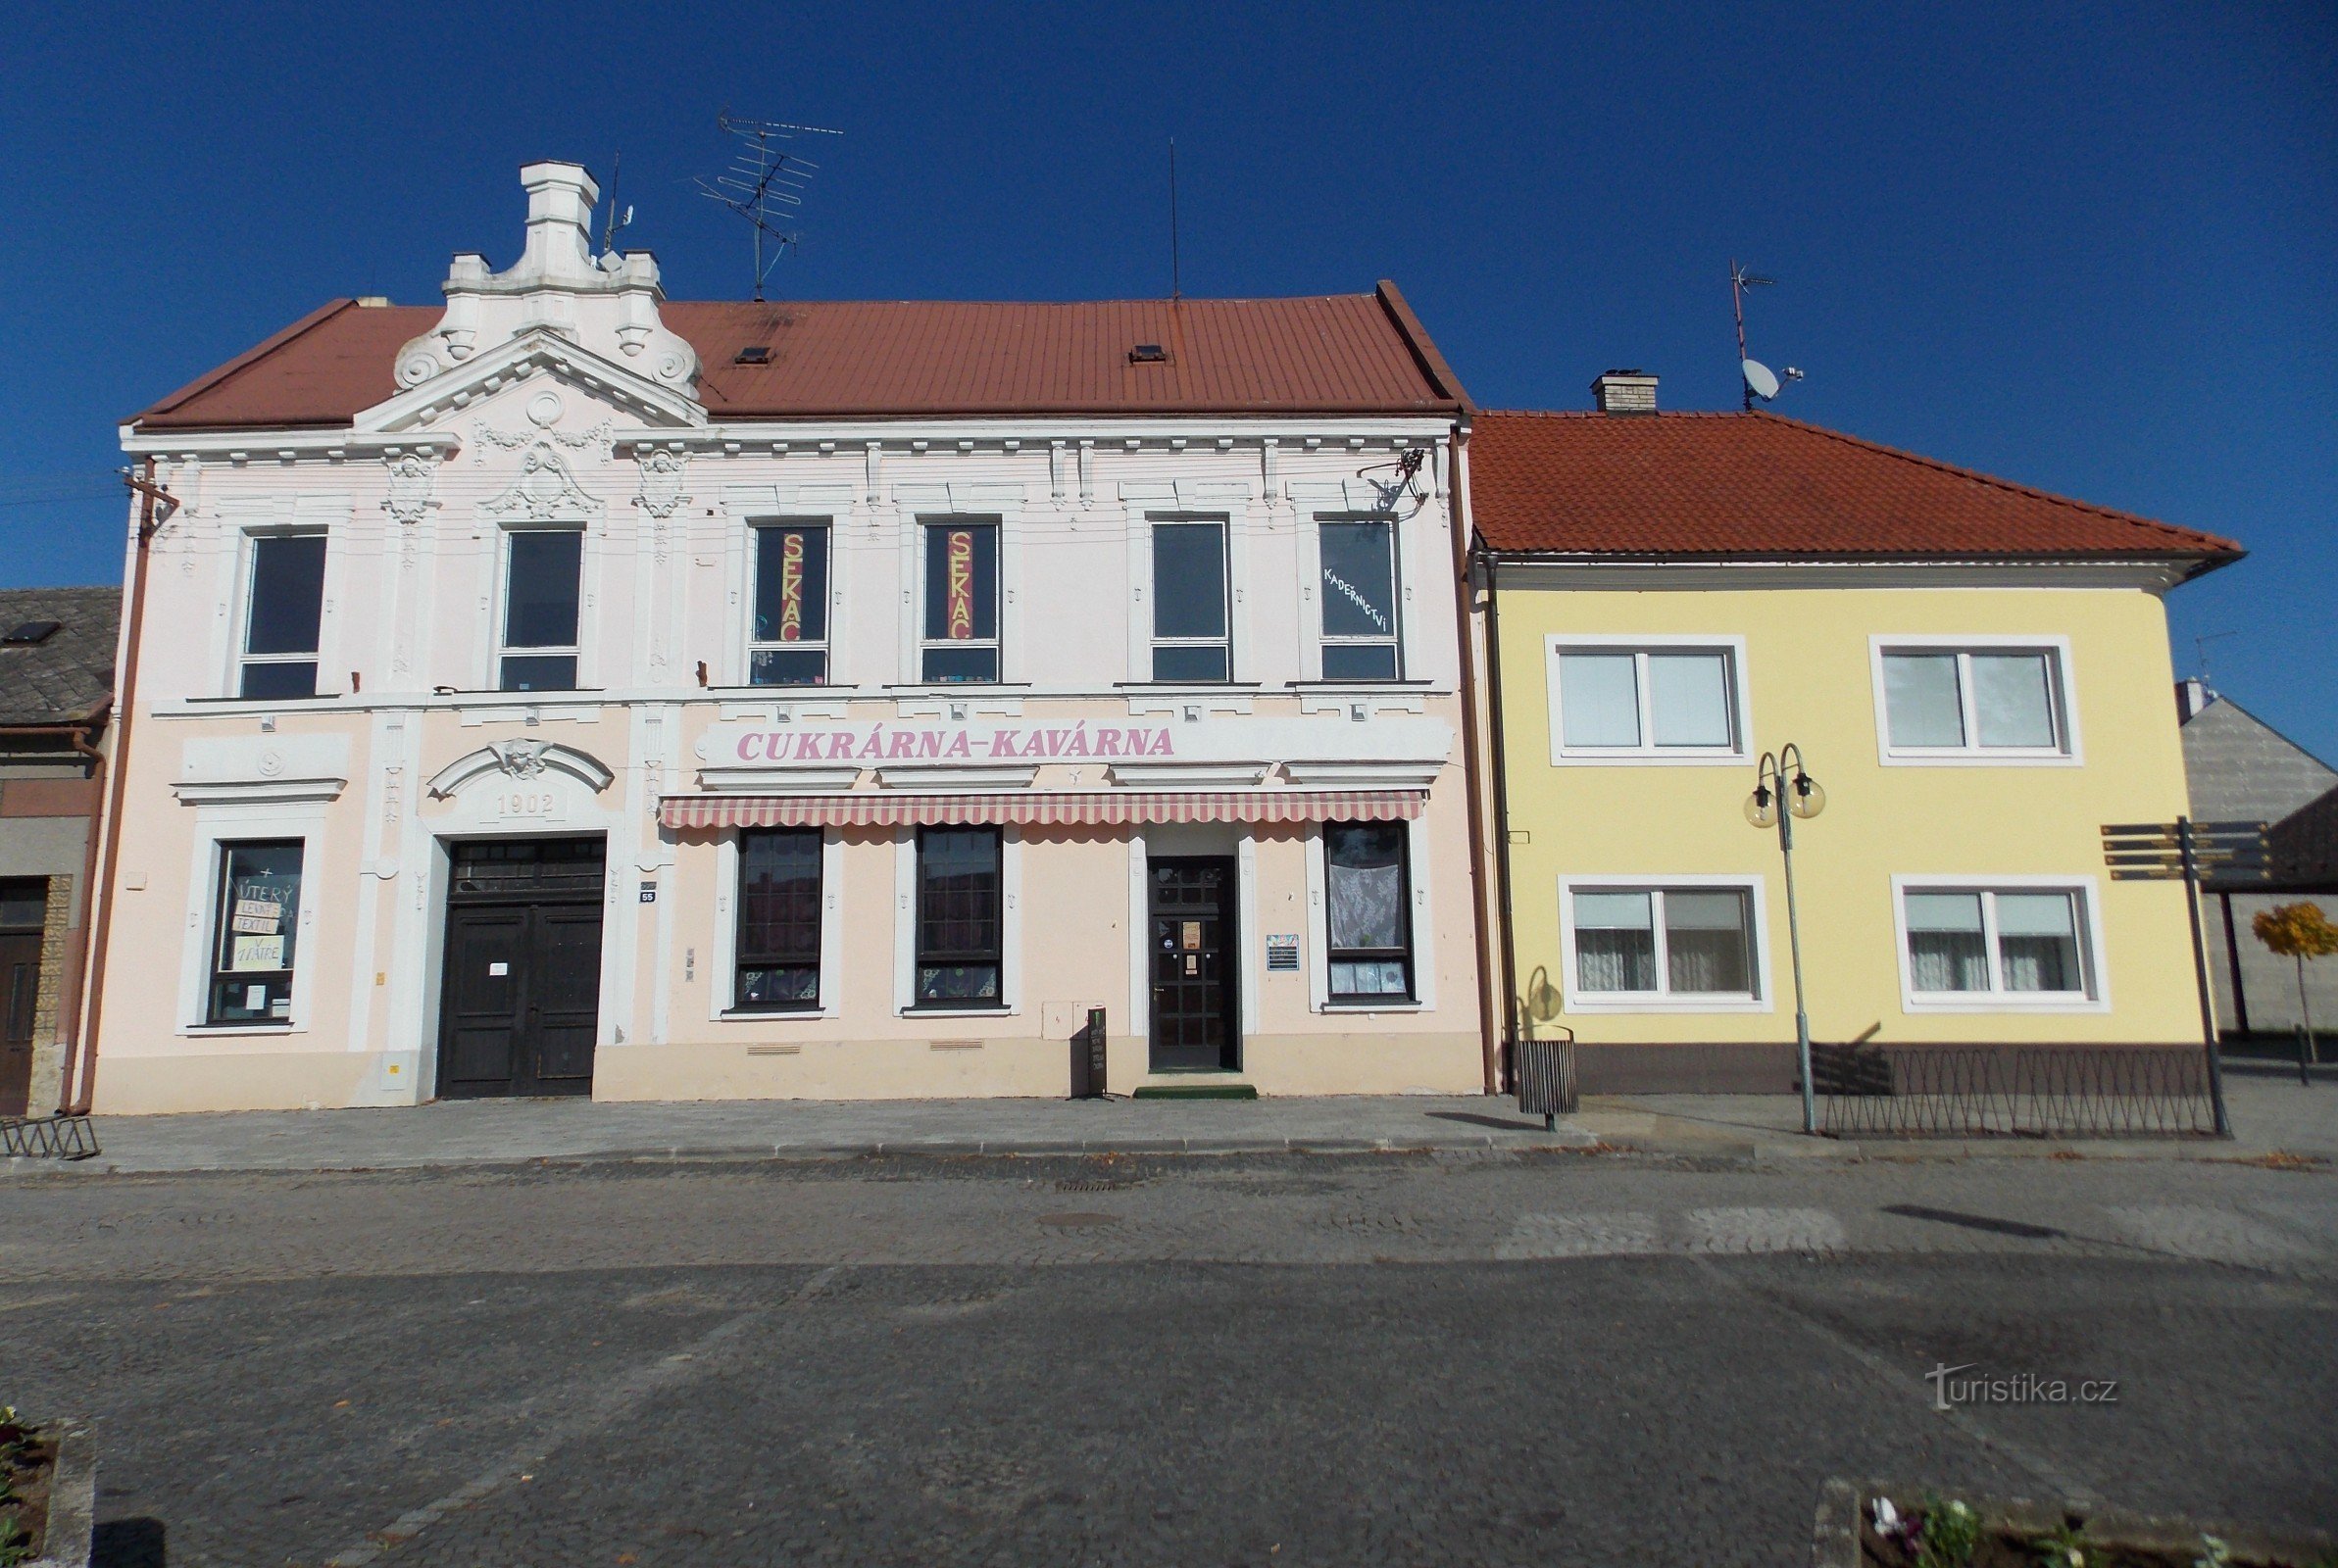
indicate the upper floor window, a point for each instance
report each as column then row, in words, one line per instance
column 543, row 570
column 1359, row 597
column 1653, row 703
column 284, row 604
column 1368, row 902
column 1190, row 641
column 779, row 913
column 789, row 645
column 961, row 602
column 2009, row 945
column 961, row 917
column 256, row 922
column 1983, row 702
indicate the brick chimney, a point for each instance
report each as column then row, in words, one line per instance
column 1625, row 392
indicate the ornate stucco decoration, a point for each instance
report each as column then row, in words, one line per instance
column 411, row 477
column 545, row 492
column 596, row 442
column 662, row 475
column 529, row 760
column 607, row 305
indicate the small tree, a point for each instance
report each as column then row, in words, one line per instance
column 2298, row 931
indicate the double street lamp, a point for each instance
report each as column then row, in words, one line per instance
column 1783, row 791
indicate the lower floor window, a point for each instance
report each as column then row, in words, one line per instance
column 257, row 923
column 780, row 913
column 1991, row 941
column 1664, row 942
column 1367, row 899
column 961, row 917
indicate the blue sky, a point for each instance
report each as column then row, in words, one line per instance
column 2087, row 247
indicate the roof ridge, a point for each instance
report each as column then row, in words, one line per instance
column 1135, row 299
column 2200, row 536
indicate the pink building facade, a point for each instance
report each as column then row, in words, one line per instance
column 571, row 691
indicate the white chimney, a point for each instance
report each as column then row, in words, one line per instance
column 560, row 222
column 2191, row 696
column 1625, row 392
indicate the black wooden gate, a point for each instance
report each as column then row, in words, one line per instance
column 519, row 1005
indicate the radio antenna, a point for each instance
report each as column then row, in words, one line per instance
column 1755, row 378
column 1176, row 288
column 764, row 183
column 614, row 221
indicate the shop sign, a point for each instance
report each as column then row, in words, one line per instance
column 881, row 742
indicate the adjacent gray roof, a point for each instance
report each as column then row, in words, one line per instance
column 2242, row 769
column 70, row 676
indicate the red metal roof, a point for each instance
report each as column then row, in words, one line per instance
column 1739, row 486
column 1337, row 354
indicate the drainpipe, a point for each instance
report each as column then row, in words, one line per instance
column 83, row 738
column 1493, row 660
column 1491, row 986
column 101, row 927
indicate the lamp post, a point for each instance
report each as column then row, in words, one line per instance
column 1782, row 792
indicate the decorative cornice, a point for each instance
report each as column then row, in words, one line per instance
column 521, row 759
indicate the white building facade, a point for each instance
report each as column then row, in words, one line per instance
column 574, row 692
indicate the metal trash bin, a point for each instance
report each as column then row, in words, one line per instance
column 1543, row 1072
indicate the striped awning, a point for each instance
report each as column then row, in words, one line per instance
column 885, row 808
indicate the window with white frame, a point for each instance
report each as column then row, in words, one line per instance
column 777, row 952
column 255, row 925
column 1359, row 594
column 960, row 640
column 1190, row 640
column 2013, row 944
column 1660, row 942
column 544, row 579
column 1660, row 702
column 788, row 642
column 1953, row 701
column 1367, row 905
column 284, row 608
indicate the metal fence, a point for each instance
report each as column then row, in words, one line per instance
column 48, row 1137
column 2012, row 1091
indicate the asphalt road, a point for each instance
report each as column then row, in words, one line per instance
column 1552, row 1359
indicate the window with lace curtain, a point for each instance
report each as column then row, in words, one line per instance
column 1662, row 944
column 2012, row 945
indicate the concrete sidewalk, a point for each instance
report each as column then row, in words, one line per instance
column 2271, row 1115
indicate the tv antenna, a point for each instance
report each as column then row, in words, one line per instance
column 764, row 183
column 1756, row 379
column 1176, row 288
column 617, row 218
column 2200, row 648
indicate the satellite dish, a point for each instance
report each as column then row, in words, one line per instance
column 1758, row 380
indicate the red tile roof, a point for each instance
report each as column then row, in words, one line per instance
column 1743, row 486
column 1338, row 354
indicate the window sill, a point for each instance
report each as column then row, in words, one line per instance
column 1203, row 687
column 1682, row 758
column 2006, row 759
column 938, row 688
column 1986, row 1002
column 1594, row 1005
column 1366, row 683
column 270, row 701
column 771, row 1014
column 999, row 1011
column 216, row 1030
column 1391, row 1005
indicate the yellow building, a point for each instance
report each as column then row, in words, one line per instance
column 1975, row 673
